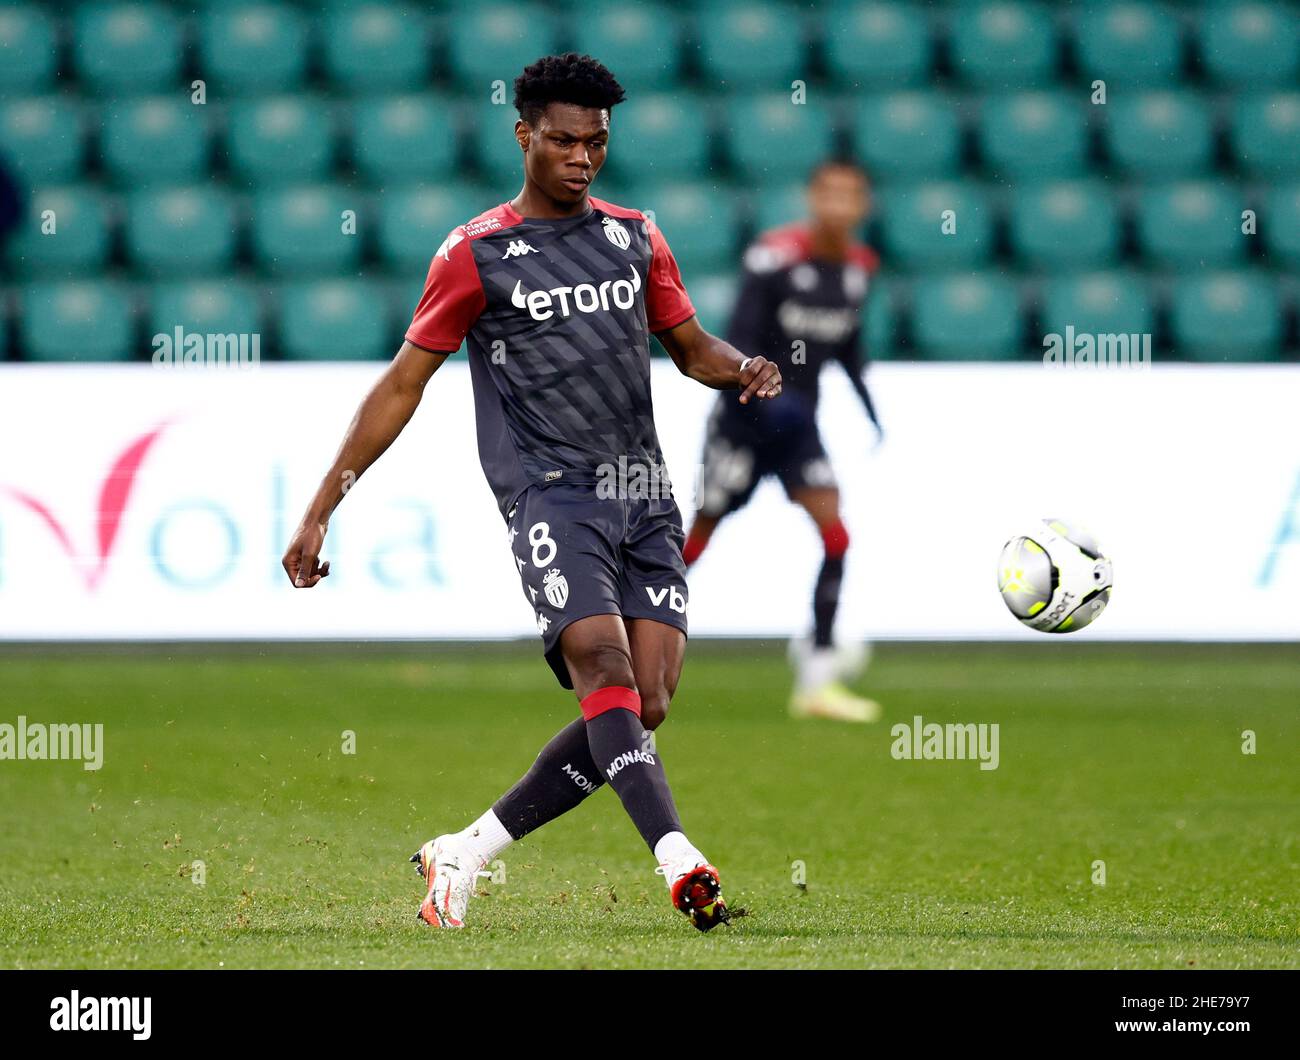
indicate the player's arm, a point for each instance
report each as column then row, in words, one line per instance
column 708, row 360
column 379, row 419
column 854, row 363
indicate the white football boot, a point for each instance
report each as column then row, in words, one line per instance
column 819, row 692
column 451, row 871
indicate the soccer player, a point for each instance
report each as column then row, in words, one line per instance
column 558, row 293
column 800, row 304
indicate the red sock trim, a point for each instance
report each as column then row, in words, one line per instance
column 694, row 547
column 835, row 539
column 612, row 697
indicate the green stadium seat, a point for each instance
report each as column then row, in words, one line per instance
column 1034, row 134
column 4, row 332
column 699, row 221
column 42, row 136
column 640, row 42
column 913, row 223
column 28, row 49
column 155, row 140
column 1229, row 316
column 181, row 231
column 1251, row 44
column 280, row 139
column 877, row 45
column 252, row 47
column 1159, row 134
column 334, row 320
column 753, row 124
column 1065, row 225
column 492, row 132
column 79, row 242
column 76, row 321
column 880, row 327
column 1003, row 44
column 1280, row 224
column 658, row 137
column 1266, row 132
column 910, row 134
column 1190, row 223
column 415, row 219
column 1097, row 303
column 204, row 307
column 1128, row 43
column 493, row 42
column 405, row 138
column 127, row 47
column 967, row 317
column 751, row 44
column 774, row 206
column 299, row 231
column 371, row 46
column 714, row 296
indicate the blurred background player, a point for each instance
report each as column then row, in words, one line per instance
column 800, row 305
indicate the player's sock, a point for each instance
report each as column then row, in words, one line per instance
column 826, row 595
column 486, row 837
column 561, row 777
column 695, row 544
column 627, row 759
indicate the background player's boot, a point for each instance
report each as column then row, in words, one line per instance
column 834, row 701
column 451, row 871
column 696, row 890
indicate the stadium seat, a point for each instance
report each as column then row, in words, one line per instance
column 334, row 320
column 492, row 134
column 1190, row 223
column 880, row 328
column 372, row 46
column 1065, row 225
column 28, row 49
column 751, row 44
column 415, row 219
column 659, row 137
column 969, row 316
column 76, row 321
column 78, row 242
column 280, row 139
column 405, row 138
column 300, row 231
column 1128, row 43
column 492, row 42
column 155, row 140
column 42, row 136
column 1230, row 316
column 639, row 42
column 1034, row 134
column 753, row 125
column 1097, row 303
column 699, row 221
column 1250, row 44
column 252, row 47
column 1280, row 224
column 181, row 231
column 1003, row 44
column 1266, row 132
column 773, row 206
column 877, row 45
column 910, row 134
column 127, row 47
column 205, row 307
column 1160, row 134
column 714, row 297
column 914, row 222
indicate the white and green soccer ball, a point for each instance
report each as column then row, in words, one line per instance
column 1054, row 577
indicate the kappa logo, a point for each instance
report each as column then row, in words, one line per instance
column 543, row 623
column 671, row 593
column 556, row 587
column 616, row 233
column 584, row 297
column 456, row 235
column 517, row 249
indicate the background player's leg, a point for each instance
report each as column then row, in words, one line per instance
column 697, row 538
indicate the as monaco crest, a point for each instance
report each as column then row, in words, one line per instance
column 616, row 233
column 556, row 587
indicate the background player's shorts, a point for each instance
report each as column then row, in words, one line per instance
column 738, row 455
column 580, row 555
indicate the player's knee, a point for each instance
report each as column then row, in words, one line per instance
column 603, row 664
column 835, row 538
column 654, row 707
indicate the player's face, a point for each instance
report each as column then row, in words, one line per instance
column 839, row 199
column 565, row 152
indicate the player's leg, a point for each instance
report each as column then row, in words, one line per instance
column 728, row 474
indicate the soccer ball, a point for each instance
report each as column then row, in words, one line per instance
column 1054, row 577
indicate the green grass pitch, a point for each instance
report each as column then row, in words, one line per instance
column 1126, row 754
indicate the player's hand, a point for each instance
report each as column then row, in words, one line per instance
column 300, row 559
column 759, row 377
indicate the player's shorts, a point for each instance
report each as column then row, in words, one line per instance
column 738, row 455
column 580, row 555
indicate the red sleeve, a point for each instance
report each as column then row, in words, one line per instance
column 666, row 302
column 453, row 298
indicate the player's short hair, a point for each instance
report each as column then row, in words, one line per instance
column 839, row 162
column 567, row 78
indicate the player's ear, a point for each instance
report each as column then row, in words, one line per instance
column 523, row 133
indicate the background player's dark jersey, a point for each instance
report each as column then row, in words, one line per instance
column 559, row 315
